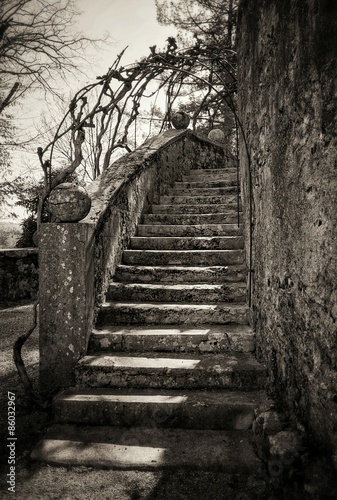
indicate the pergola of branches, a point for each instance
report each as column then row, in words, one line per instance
column 105, row 109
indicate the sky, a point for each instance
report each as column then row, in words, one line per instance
column 129, row 23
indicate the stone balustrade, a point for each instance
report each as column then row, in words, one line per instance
column 77, row 260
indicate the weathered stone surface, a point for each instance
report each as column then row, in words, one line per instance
column 113, row 447
column 201, row 209
column 171, row 313
column 200, row 199
column 175, row 338
column 226, row 410
column 69, row 203
column 229, row 217
column 238, row 371
column 134, row 182
column 187, row 243
column 66, row 301
column 180, row 120
column 222, row 174
column 203, row 191
column 183, row 257
column 189, row 230
column 285, row 446
column 19, row 275
column 119, row 197
column 202, row 293
column 181, row 274
column 287, row 104
column 216, row 135
column 267, row 423
column 204, row 182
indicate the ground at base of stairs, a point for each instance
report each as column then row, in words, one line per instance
column 41, row 482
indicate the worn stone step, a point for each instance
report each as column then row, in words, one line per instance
column 147, row 448
column 206, row 183
column 182, row 292
column 203, row 191
column 228, row 200
column 118, row 313
column 204, row 230
column 194, row 209
column 220, row 410
column 186, row 243
column 234, row 371
column 183, row 257
column 181, row 274
column 175, row 338
column 210, row 174
column 228, row 217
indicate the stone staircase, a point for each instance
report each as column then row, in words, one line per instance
column 170, row 379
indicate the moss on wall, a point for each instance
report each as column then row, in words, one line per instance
column 287, row 105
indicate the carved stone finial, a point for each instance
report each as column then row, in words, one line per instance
column 180, row 120
column 216, row 135
column 69, row 203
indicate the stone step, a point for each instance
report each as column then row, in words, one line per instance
column 232, row 371
column 204, row 230
column 186, row 243
column 194, row 209
column 181, row 274
column 147, row 449
column 228, row 200
column 175, row 338
column 203, row 191
column 183, row 257
column 205, row 184
column 228, row 217
column 220, row 410
column 211, row 174
column 220, row 313
column 182, row 292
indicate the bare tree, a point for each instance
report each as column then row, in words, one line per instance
column 38, row 40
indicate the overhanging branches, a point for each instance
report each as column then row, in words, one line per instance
column 103, row 111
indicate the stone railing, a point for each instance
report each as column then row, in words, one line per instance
column 19, row 275
column 77, row 260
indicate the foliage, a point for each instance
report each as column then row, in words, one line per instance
column 28, row 196
column 214, row 21
column 8, row 184
column 28, row 226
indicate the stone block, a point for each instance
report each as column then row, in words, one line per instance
column 66, row 301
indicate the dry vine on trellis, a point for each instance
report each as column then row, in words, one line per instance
column 105, row 109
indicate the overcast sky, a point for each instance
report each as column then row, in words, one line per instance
column 130, row 23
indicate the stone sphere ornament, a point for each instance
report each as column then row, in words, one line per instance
column 216, row 135
column 69, row 202
column 180, row 120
